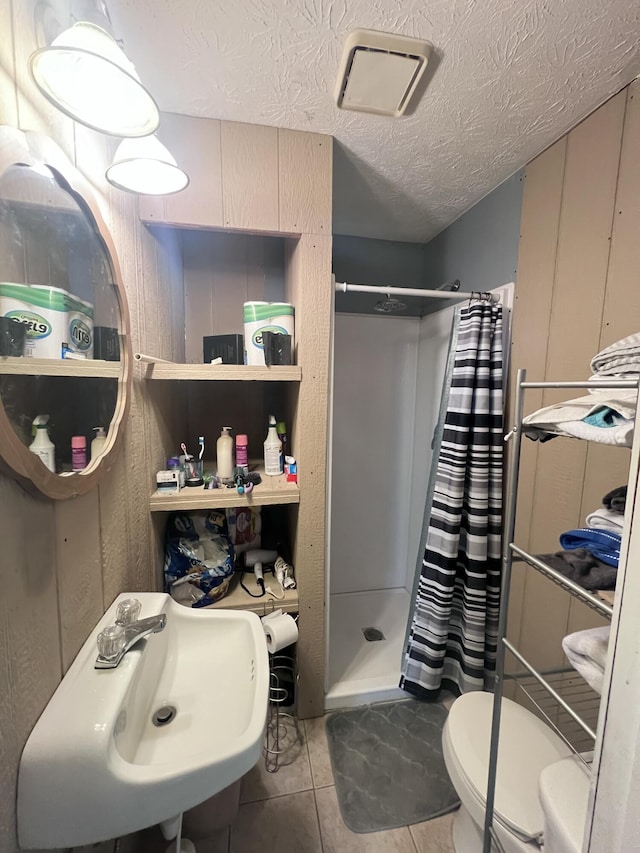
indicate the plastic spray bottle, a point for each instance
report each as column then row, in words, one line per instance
column 224, row 454
column 272, row 450
column 42, row 445
column 281, row 429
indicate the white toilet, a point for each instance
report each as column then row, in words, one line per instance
column 534, row 765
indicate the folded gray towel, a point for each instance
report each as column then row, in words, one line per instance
column 621, row 357
column 616, row 499
column 583, row 568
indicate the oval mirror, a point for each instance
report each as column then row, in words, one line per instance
column 64, row 335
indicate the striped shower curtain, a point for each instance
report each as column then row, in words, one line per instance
column 453, row 633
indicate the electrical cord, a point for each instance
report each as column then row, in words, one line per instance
column 259, row 581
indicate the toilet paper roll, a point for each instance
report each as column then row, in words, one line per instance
column 281, row 631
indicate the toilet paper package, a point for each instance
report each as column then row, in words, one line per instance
column 280, row 630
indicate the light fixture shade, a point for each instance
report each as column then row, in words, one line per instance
column 145, row 166
column 87, row 75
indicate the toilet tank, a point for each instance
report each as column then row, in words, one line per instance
column 564, row 796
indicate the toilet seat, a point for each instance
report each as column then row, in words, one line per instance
column 526, row 747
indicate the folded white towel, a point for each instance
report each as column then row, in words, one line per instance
column 586, row 651
column 567, row 418
column 606, row 519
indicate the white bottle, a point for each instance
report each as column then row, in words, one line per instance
column 98, row 443
column 42, row 445
column 272, row 450
column 224, row 454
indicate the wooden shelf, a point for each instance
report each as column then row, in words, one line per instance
column 224, row 372
column 271, row 491
column 91, row 367
column 238, row 599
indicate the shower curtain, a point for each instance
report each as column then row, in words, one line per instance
column 453, row 634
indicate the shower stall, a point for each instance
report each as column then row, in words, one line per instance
column 388, row 373
column 387, row 383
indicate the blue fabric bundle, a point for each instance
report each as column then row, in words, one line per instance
column 601, row 543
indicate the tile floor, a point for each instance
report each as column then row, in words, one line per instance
column 296, row 811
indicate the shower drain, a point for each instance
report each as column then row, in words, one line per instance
column 164, row 715
column 372, row 635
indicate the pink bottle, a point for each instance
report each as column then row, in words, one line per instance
column 78, row 452
column 242, row 453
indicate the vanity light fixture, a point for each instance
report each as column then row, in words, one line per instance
column 146, row 166
column 86, row 74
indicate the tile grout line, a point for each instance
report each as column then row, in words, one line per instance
column 313, row 784
column 413, row 841
column 315, row 802
column 277, row 796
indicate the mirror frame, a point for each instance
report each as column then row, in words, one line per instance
column 18, row 148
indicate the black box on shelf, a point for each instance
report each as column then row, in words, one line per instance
column 106, row 343
column 230, row 348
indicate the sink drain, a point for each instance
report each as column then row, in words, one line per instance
column 164, row 715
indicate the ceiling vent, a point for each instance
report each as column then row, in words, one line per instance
column 379, row 72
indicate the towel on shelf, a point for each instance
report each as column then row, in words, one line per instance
column 583, row 568
column 605, row 519
column 622, row 357
column 616, row 499
column 568, row 418
column 603, row 544
column 586, row 651
column 605, row 417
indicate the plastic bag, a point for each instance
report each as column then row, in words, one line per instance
column 199, row 559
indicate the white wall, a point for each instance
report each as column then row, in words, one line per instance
column 434, row 334
column 373, row 417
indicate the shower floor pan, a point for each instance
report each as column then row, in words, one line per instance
column 363, row 671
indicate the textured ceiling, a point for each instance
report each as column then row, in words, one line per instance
column 509, row 77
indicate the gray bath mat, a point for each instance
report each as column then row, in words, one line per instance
column 388, row 765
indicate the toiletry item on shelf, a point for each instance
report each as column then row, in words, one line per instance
column 193, row 477
column 229, row 348
column 168, row 481
column 276, row 347
column 201, row 456
column 13, row 334
column 175, row 464
column 98, row 443
column 106, row 343
column 224, row 454
column 242, row 453
column 281, row 429
column 284, row 574
column 265, row 316
column 42, row 445
column 272, row 450
column 290, row 469
column 78, row 452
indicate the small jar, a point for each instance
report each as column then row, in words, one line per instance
column 173, row 463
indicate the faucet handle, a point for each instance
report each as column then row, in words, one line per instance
column 111, row 642
column 128, row 611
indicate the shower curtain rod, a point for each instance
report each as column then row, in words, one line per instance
column 343, row 287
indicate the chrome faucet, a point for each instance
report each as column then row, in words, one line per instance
column 114, row 648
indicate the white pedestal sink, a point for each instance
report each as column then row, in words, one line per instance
column 98, row 765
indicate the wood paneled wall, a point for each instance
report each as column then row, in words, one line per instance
column 62, row 563
column 246, row 177
column 577, row 291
